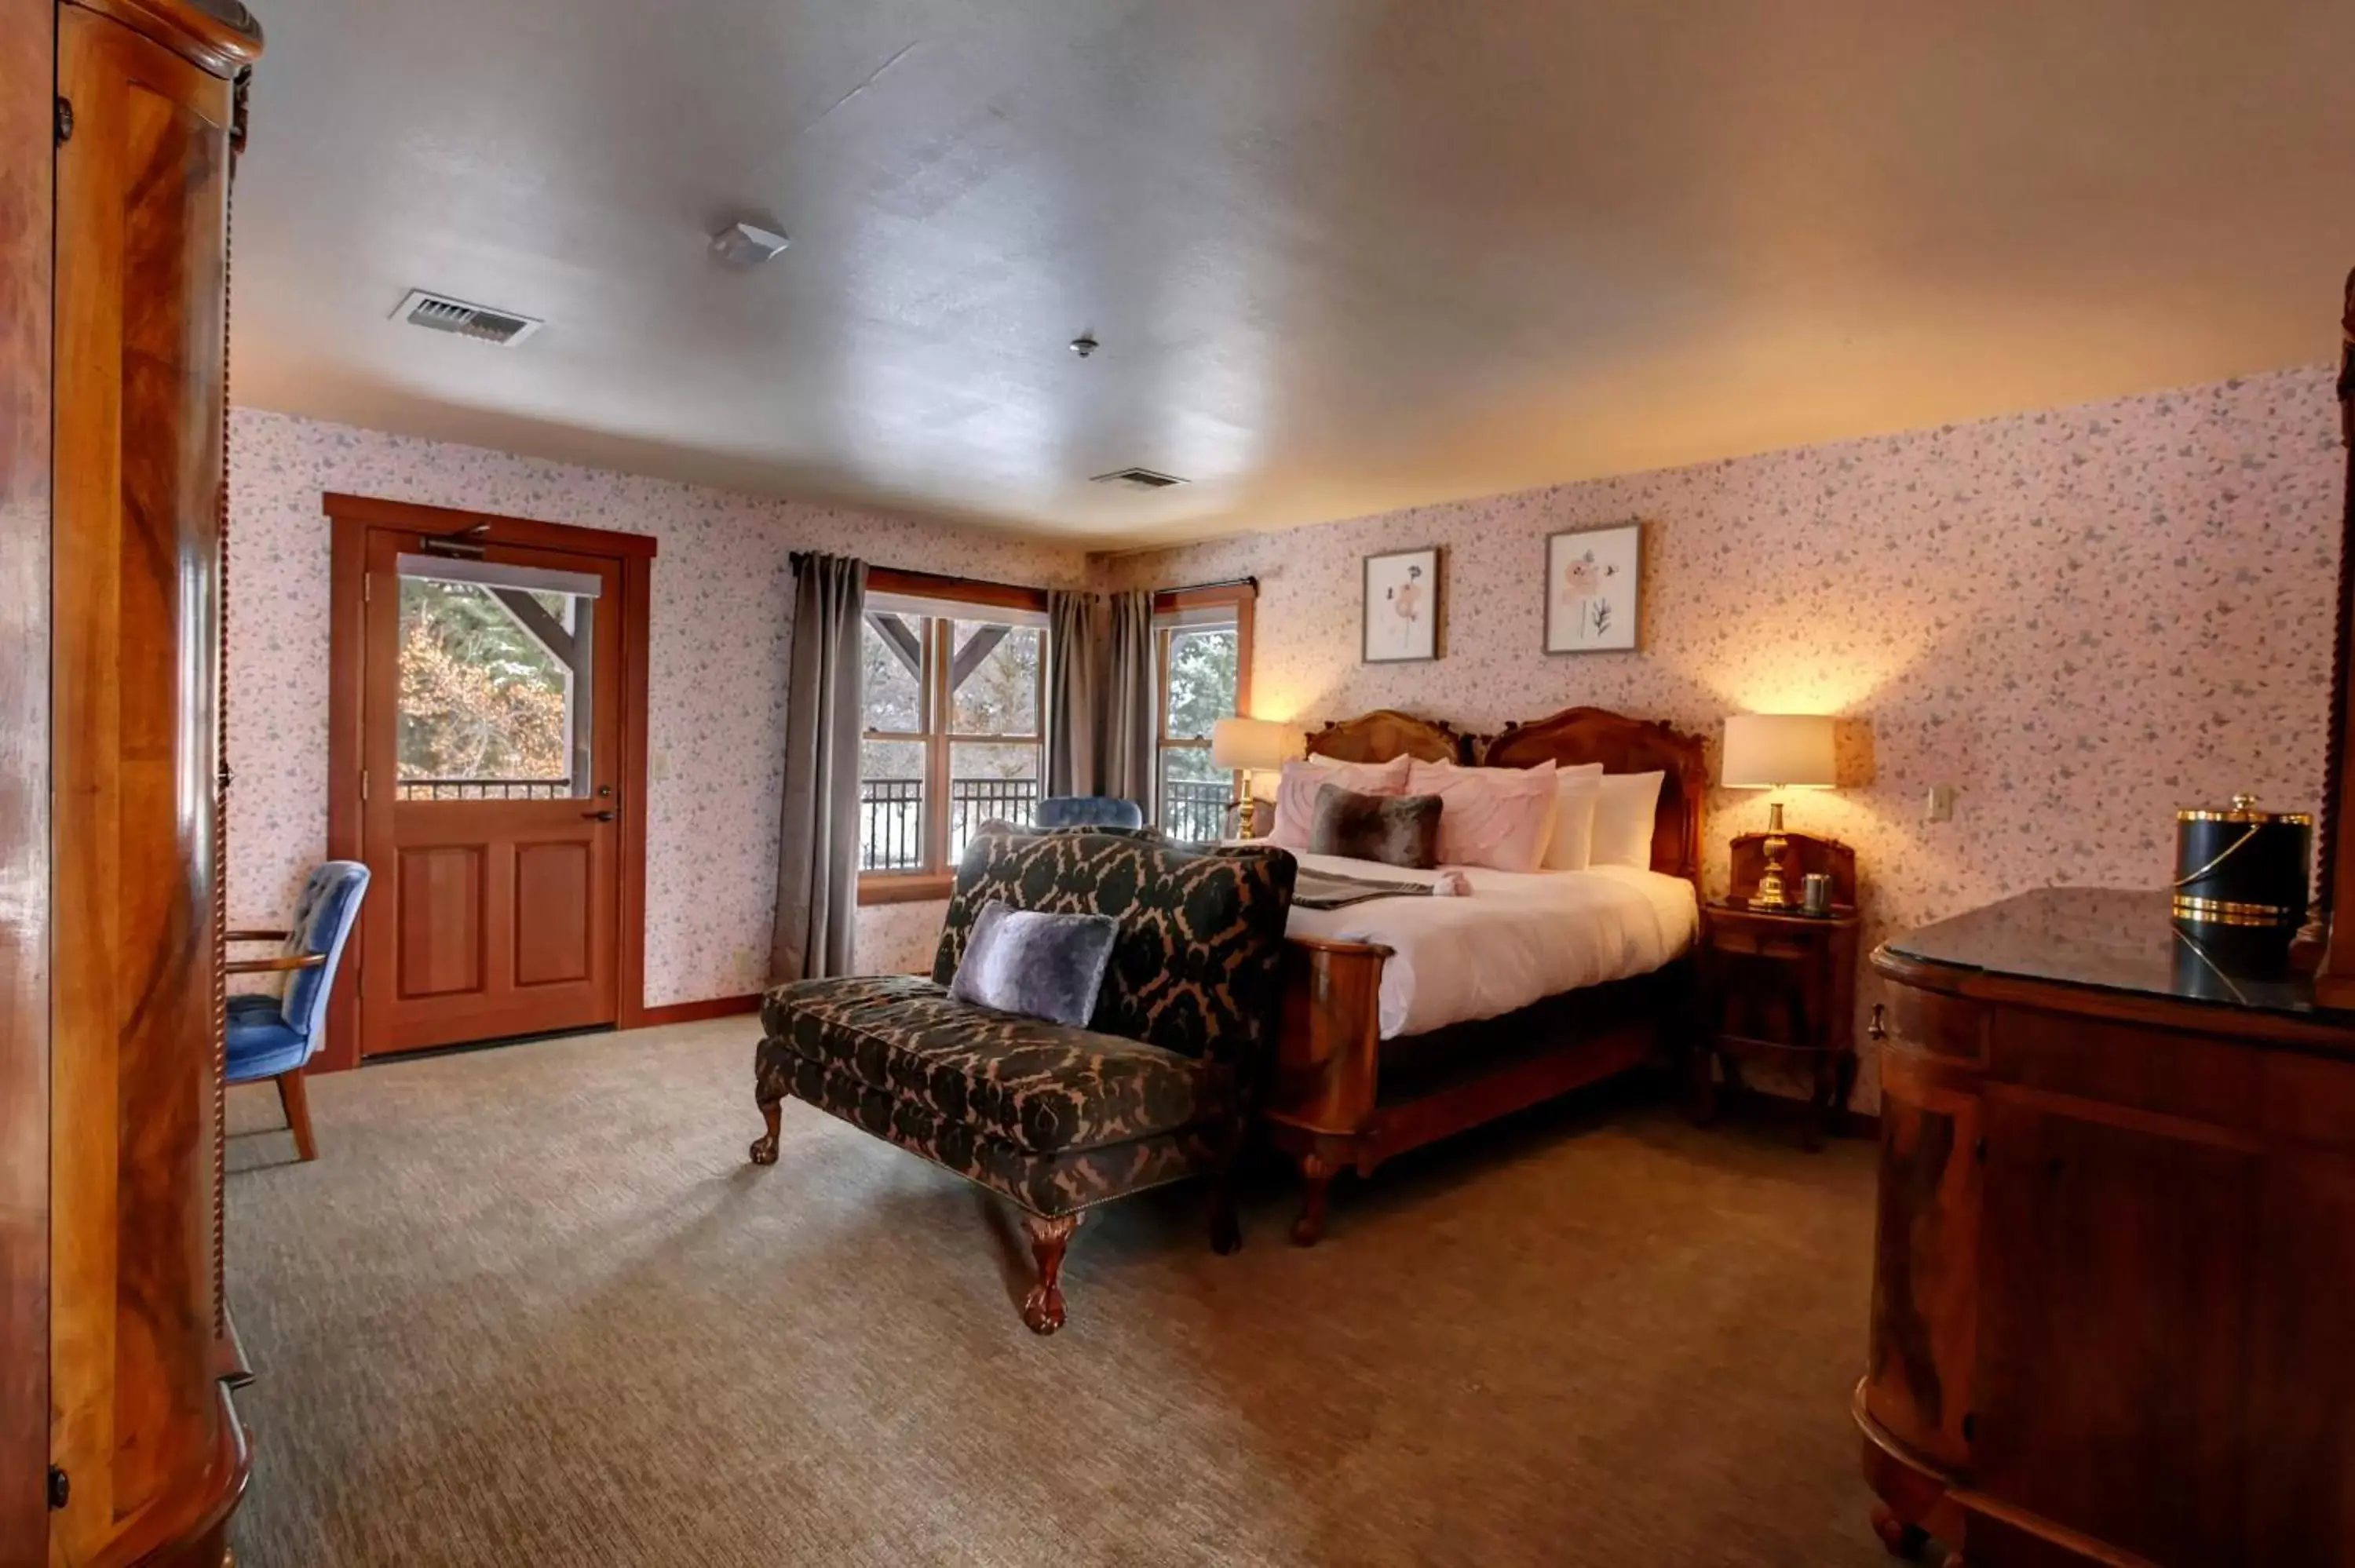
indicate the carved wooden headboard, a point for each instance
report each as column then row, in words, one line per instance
column 1386, row 733
column 1622, row 745
column 1574, row 735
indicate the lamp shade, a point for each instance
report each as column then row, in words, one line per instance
column 1770, row 751
column 1251, row 744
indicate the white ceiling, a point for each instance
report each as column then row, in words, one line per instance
column 1342, row 255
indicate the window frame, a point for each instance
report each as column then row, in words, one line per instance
column 1173, row 611
column 954, row 599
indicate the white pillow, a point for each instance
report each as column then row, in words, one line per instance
column 1296, row 788
column 1623, row 812
column 1500, row 817
column 1572, row 848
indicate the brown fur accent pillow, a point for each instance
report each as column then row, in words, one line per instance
column 1396, row 830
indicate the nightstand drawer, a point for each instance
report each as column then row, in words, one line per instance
column 1765, row 942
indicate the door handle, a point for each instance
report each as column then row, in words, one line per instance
column 600, row 816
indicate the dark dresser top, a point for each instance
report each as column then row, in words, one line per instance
column 2104, row 939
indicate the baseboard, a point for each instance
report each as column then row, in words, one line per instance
column 697, row 1011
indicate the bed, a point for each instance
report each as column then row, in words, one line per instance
column 1407, row 1020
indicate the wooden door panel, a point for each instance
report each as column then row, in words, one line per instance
column 439, row 891
column 504, row 911
column 140, row 230
column 2302, row 1422
column 1925, row 1289
column 27, row 132
column 2114, row 1328
column 555, row 884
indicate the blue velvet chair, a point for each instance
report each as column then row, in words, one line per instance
column 273, row 1036
column 1088, row 811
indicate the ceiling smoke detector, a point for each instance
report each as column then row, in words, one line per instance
column 1137, row 478
column 748, row 244
column 504, row 329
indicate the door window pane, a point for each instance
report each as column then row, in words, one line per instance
column 494, row 701
column 1194, row 794
column 990, row 783
column 1201, row 681
column 993, row 678
column 891, row 805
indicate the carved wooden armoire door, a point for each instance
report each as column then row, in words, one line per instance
column 146, row 1454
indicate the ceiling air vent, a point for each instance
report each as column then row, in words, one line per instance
column 1137, row 478
column 480, row 322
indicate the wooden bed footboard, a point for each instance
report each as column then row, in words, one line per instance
column 1341, row 1101
column 1328, row 1054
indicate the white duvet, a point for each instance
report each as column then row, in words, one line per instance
column 1520, row 936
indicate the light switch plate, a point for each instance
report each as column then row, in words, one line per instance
column 1941, row 805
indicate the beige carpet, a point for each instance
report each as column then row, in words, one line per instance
column 532, row 1308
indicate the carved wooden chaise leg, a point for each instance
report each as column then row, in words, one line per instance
column 1042, row 1310
column 1226, row 1224
column 1902, row 1540
column 1317, row 1174
column 764, row 1147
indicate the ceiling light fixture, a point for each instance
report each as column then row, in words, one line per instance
column 748, row 244
column 1137, row 478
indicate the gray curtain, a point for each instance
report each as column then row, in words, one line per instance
column 1076, row 655
column 1125, row 724
column 1100, row 720
column 818, row 847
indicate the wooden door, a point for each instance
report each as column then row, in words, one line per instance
column 140, row 1423
column 490, row 787
column 2114, row 1323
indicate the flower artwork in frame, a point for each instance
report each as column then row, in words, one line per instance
column 1399, row 619
column 1594, row 583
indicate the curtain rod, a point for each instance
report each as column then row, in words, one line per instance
column 796, row 557
column 1251, row 583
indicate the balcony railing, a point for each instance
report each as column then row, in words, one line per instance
column 891, row 816
column 1194, row 810
column 485, row 789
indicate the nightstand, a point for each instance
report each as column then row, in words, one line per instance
column 1781, row 986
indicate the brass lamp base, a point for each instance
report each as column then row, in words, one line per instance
column 1772, row 895
column 1247, row 815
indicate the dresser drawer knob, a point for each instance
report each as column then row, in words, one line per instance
column 1878, row 1025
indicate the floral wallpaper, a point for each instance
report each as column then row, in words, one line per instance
column 722, row 622
column 2081, row 619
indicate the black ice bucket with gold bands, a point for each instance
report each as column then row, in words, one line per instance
column 2240, row 878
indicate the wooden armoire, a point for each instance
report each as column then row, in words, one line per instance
column 119, row 128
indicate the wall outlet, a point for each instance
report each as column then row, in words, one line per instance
column 1940, row 808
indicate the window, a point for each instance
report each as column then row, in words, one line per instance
column 494, row 702
column 1204, row 653
column 953, row 695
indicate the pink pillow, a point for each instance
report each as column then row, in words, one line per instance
column 1295, row 792
column 1498, row 817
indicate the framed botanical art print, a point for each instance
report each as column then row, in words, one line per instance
column 1399, row 622
column 1593, row 589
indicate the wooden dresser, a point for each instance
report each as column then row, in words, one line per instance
column 2114, row 1300
column 118, row 1442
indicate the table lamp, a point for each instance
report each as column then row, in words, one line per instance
column 1249, row 746
column 1776, row 751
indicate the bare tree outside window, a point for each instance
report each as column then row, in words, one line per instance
column 951, row 735
column 1197, row 689
column 486, row 707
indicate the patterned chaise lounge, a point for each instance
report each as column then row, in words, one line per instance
column 1156, row 1089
